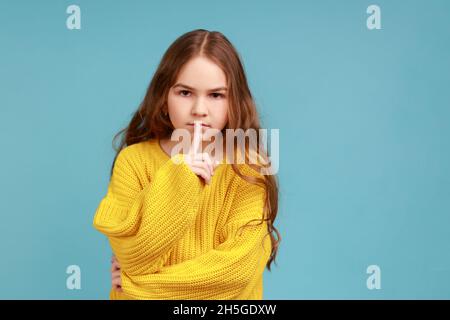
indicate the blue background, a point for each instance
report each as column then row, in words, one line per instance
column 363, row 118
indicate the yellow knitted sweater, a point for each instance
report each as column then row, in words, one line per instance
column 175, row 237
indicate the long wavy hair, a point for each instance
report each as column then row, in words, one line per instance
column 151, row 122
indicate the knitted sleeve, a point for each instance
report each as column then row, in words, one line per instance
column 142, row 223
column 221, row 273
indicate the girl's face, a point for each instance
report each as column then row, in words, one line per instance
column 199, row 93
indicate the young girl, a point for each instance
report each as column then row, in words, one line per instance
column 183, row 229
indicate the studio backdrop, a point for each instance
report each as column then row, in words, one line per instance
column 358, row 91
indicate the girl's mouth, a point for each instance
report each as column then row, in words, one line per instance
column 203, row 125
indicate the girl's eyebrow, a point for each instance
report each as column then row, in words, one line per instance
column 190, row 88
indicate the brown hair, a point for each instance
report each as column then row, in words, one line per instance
column 150, row 121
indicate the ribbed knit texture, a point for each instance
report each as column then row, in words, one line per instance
column 175, row 237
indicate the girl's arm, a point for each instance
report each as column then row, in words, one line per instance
column 142, row 242
column 222, row 273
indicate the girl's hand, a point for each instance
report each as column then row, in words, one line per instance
column 200, row 163
column 115, row 274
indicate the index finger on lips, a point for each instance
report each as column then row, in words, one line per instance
column 196, row 141
column 208, row 160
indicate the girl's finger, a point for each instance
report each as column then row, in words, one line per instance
column 197, row 139
column 115, row 277
column 208, row 160
column 116, row 273
column 203, row 173
column 202, row 160
column 205, row 165
column 117, row 288
column 199, row 169
column 115, row 266
column 117, row 282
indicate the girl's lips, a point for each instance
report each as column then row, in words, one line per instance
column 203, row 125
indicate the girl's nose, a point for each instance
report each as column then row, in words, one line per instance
column 199, row 108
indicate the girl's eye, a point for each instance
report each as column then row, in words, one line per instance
column 217, row 95
column 184, row 93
